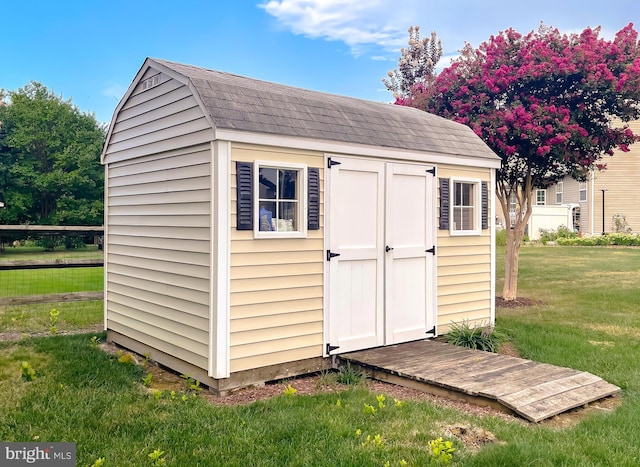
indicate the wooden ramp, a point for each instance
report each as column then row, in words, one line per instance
column 533, row 390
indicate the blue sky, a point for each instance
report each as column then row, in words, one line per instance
column 90, row 50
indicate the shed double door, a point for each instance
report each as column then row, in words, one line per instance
column 381, row 270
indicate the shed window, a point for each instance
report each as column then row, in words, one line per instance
column 280, row 194
column 466, row 208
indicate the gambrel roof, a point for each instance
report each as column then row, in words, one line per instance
column 235, row 102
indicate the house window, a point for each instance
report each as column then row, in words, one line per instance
column 541, row 197
column 465, row 208
column 280, row 194
column 583, row 191
column 559, row 188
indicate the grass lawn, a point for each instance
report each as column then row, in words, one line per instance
column 587, row 317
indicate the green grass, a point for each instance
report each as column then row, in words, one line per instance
column 15, row 283
column 35, row 317
column 587, row 318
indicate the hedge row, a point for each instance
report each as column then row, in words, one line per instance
column 601, row 240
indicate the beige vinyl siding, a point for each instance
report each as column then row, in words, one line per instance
column 158, row 251
column 276, row 285
column 464, row 266
column 159, row 119
column 620, row 180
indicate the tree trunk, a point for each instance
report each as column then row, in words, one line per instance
column 512, row 254
column 515, row 234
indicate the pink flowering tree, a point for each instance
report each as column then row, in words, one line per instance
column 545, row 102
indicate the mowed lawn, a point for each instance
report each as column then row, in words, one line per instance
column 586, row 316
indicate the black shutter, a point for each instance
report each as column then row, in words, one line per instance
column 444, row 204
column 244, row 191
column 485, row 205
column 313, row 199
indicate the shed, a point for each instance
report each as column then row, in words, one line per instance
column 253, row 229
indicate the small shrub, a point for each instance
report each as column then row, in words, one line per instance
column 442, row 451
column 146, row 380
column 126, row 357
column 54, row 314
column 480, row 337
column 156, row 457
column 289, row 390
column 28, row 373
column 350, row 375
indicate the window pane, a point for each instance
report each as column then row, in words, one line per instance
column 267, row 181
column 463, row 194
column 287, row 220
column 267, row 214
column 288, row 180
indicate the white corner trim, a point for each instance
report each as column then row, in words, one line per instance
column 219, row 353
column 492, row 226
column 338, row 148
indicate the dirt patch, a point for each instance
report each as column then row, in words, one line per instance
column 16, row 336
column 517, row 303
column 472, row 437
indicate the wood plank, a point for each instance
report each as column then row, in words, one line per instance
column 531, row 389
column 542, row 391
column 511, row 382
column 568, row 400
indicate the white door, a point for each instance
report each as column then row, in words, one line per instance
column 380, row 229
column 356, row 204
column 409, row 257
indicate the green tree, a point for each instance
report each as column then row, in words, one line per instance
column 50, row 170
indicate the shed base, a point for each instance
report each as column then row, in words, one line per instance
column 223, row 386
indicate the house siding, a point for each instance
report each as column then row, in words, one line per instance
column 464, row 283
column 276, row 285
column 158, row 251
column 161, row 118
column 622, row 196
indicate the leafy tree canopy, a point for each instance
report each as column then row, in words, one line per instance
column 50, row 170
column 549, row 104
column 544, row 102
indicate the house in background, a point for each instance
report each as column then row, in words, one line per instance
column 608, row 201
column 252, row 229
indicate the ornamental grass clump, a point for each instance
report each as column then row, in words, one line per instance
column 479, row 337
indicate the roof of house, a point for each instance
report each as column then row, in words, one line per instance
column 245, row 104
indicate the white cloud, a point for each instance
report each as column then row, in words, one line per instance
column 114, row 90
column 360, row 25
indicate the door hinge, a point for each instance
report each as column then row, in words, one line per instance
column 331, row 163
column 431, row 250
column 431, row 331
column 331, row 255
column 431, row 171
column 331, row 348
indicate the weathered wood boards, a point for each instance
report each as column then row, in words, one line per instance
column 533, row 390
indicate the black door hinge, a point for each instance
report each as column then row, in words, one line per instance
column 331, row 163
column 331, row 255
column 331, row 348
column 431, row 250
column 432, row 331
column 431, row 171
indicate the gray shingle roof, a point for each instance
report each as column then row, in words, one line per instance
column 240, row 103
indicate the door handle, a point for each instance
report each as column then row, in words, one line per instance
column 388, row 248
